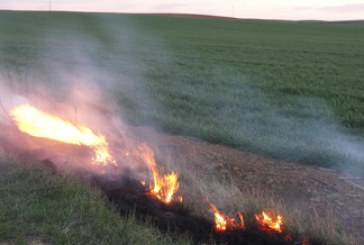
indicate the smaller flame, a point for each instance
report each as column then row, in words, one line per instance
column 267, row 223
column 241, row 219
column 224, row 222
column 164, row 187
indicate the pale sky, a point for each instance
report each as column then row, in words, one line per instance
column 262, row 9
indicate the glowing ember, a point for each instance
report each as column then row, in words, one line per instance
column 163, row 187
column 223, row 222
column 268, row 224
column 39, row 124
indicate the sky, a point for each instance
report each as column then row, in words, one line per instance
column 261, row 9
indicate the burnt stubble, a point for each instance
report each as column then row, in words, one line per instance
column 131, row 198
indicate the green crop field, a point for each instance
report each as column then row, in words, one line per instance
column 293, row 90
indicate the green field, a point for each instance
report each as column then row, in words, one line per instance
column 293, row 90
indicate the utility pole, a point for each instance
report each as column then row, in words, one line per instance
column 233, row 9
column 49, row 5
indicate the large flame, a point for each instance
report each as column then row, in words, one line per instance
column 224, row 222
column 163, row 187
column 39, row 124
column 267, row 223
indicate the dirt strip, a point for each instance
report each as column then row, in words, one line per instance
column 316, row 187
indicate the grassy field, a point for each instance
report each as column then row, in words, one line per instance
column 293, row 90
column 38, row 208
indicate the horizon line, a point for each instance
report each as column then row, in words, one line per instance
column 184, row 15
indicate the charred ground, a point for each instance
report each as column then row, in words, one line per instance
column 131, row 198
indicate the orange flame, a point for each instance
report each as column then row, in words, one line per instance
column 163, row 188
column 224, row 222
column 39, row 124
column 268, row 224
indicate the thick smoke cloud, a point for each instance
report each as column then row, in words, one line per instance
column 60, row 76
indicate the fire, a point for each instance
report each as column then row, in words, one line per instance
column 39, row 124
column 224, row 222
column 267, row 223
column 163, row 187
